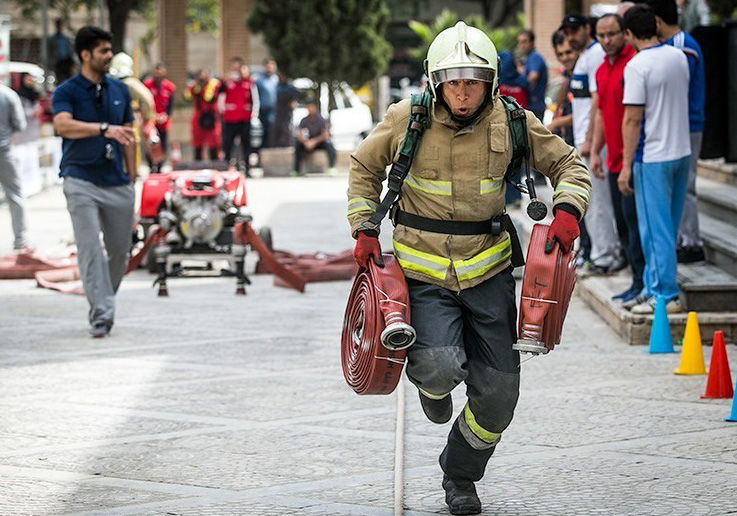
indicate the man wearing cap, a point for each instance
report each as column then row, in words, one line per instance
column 461, row 289
column 605, row 252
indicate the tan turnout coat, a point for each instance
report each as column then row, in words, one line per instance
column 457, row 174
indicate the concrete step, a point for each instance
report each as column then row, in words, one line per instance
column 720, row 242
column 635, row 329
column 718, row 170
column 706, row 287
column 717, row 199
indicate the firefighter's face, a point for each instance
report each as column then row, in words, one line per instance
column 464, row 96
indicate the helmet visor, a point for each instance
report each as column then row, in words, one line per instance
column 454, row 74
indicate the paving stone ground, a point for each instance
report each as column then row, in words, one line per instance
column 207, row 403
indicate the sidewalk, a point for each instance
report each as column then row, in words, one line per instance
column 207, row 403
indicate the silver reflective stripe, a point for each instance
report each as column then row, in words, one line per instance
column 454, row 74
column 361, row 204
column 482, row 262
column 418, row 261
column 429, row 186
column 565, row 186
column 491, row 185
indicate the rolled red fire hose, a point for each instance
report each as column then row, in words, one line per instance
column 376, row 331
column 547, row 287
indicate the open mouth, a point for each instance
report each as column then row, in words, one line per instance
column 463, row 111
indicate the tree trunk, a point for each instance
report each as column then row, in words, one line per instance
column 118, row 11
column 501, row 12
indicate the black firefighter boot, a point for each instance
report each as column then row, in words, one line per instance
column 461, row 497
column 437, row 411
column 463, row 465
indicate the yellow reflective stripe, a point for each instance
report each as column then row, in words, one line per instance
column 361, row 204
column 424, row 263
column 491, row 185
column 481, row 432
column 434, row 396
column 210, row 89
column 428, row 185
column 565, row 186
column 482, row 262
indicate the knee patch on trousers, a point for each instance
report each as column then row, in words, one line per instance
column 437, row 370
column 492, row 398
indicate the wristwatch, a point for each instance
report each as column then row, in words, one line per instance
column 103, row 128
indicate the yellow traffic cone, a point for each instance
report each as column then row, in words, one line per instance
column 692, row 356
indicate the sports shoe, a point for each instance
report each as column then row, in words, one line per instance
column 461, row 497
column 637, row 300
column 648, row 307
column 438, row 411
column 623, row 295
column 100, row 330
column 690, row 254
column 590, row 269
column 617, row 265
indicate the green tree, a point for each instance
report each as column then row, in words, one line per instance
column 325, row 40
column 504, row 38
column 723, row 8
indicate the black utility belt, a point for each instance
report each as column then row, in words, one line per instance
column 493, row 226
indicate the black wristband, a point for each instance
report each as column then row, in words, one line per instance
column 568, row 208
column 369, row 232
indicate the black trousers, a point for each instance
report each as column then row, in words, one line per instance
column 213, row 154
column 467, row 336
column 300, row 151
column 625, row 216
column 241, row 130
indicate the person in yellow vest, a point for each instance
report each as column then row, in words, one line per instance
column 205, row 124
column 142, row 101
column 462, row 292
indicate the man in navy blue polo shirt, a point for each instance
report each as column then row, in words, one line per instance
column 92, row 113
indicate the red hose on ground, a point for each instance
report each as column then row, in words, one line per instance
column 547, row 287
column 378, row 303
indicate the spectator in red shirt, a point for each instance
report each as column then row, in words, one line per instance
column 163, row 91
column 240, row 103
column 608, row 130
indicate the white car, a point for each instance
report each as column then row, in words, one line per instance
column 350, row 119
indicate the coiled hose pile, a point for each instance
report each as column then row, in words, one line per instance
column 376, row 331
column 546, row 293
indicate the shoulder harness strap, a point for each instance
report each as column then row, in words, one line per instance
column 419, row 120
column 517, row 122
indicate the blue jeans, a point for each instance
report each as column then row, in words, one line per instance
column 660, row 190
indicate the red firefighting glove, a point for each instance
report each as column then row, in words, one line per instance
column 563, row 230
column 367, row 246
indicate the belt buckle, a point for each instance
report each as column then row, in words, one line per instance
column 496, row 227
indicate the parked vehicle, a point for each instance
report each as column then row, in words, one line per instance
column 350, row 119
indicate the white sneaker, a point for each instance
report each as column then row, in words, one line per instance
column 635, row 301
column 648, row 307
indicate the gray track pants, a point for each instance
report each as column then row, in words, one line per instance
column 110, row 210
column 600, row 222
column 689, row 235
column 10, row 181
column 468, row 336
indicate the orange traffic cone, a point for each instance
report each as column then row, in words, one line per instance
column 719, row 382
column 692, row 356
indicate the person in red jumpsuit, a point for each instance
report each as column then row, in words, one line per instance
column 205, row 124
column 239, row 105
column 163, row 91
